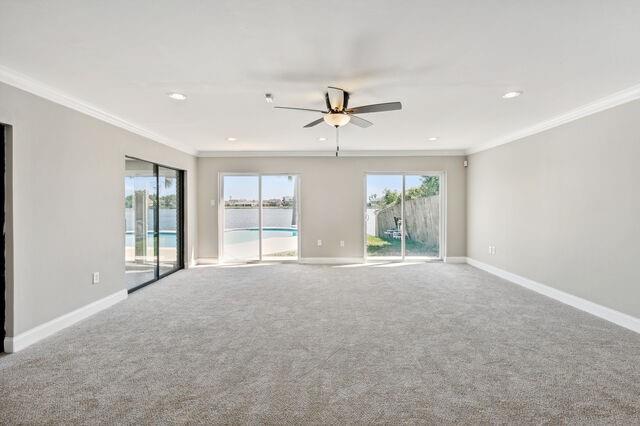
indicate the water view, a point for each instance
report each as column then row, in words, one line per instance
column 242, row 217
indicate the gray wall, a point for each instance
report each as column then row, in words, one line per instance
column 332, row 197
column 68, row 205
column 563, row 207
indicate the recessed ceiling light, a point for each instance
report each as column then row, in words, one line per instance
column 232, row 139
column 433, row 138
column 510, row 95
column 177, row 96
column 322, row 139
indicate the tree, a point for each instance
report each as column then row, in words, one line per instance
column 429, row 186
column 168, row 201
column 390, row 197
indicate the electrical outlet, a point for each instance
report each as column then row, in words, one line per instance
column 319, row 243
column 341, row 243
column 96, row 277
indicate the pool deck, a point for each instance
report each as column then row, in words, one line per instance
column 270, row 246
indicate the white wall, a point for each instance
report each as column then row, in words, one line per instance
column 563, row 208
column 332, row 198
column 68, row 206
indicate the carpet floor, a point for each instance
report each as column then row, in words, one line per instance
column 396, row 343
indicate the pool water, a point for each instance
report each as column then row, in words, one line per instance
column 236, row 236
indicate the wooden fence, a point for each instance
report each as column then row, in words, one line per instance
column 422, row 219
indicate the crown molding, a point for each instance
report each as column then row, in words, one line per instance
column 23, row 82
column 618, row 98
column 332, row 153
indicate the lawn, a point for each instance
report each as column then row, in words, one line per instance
column 377, row 246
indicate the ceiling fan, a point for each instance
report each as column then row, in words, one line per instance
column 338, row 112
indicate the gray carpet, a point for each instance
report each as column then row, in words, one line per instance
column 426, row 343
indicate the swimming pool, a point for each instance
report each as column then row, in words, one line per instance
column 167, row 239
column 245, row 235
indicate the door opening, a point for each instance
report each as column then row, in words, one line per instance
column 3, row 285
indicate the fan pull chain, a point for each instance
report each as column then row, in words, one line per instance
column 337, row 140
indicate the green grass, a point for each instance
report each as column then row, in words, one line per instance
column 377, row 246
column 376, row 242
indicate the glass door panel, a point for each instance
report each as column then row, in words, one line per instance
column 241, row 239
column 422, row 216
column 140, row 216
column 279, row 217
column 168, row 219
column 384, row 216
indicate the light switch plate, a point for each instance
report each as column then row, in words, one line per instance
column 96, row 277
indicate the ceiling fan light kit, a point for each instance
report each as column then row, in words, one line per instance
column 337, row 119
column 339, row 114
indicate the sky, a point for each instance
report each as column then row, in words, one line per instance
column 149, row 183
column 376, row 184
column 246, row 187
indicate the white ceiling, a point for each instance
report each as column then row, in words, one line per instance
column 449, row 62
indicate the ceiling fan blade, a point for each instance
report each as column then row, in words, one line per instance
column 336, row 98
column 326, row 100
column 360, row 122
column 388, row 106
column 302, row 109
column 315, row 123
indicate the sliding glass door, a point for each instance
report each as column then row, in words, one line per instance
column 260, row 217
column 153, row 222
column 422, row 216
column 140, row 185
column 241, row 218
column 384, row 216
column 169, row 219
column 403, row 216
column 279, row 217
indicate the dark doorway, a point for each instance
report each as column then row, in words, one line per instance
column 2, row 260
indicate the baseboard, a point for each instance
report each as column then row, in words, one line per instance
column 207, row 261
column 460, row 259
column 616, row 317
column 22, row 340
column 331, row 260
